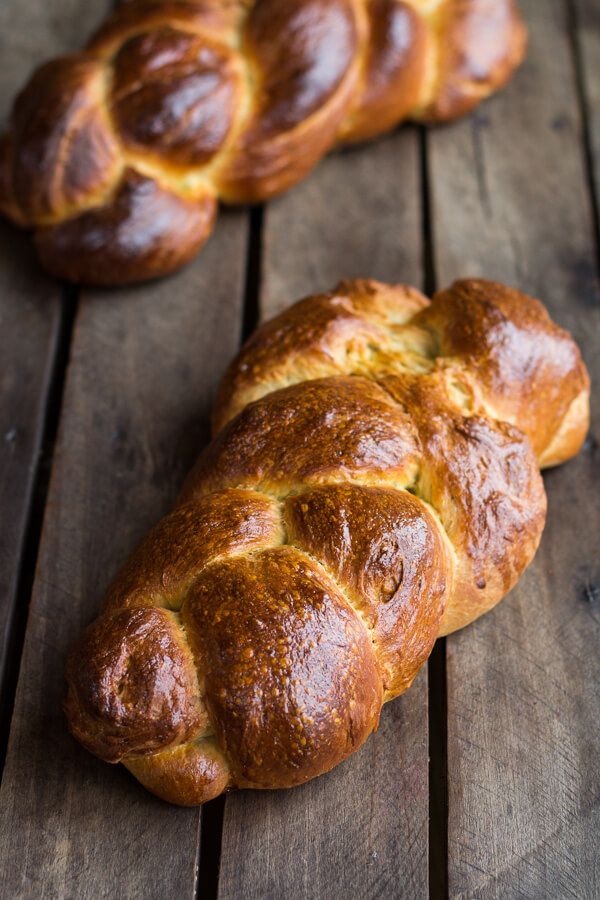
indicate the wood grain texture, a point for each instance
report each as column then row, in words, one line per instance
column 357, row 216
column 362, row 830
column 30, row 316
column 143, row 366
column 30, row 306
column 511, row 202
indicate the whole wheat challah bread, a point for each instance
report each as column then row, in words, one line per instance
column 117, row 156
column 373, row 483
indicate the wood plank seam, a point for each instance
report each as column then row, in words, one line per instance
column 253, row 272
column 436, row 665
column 429, row 267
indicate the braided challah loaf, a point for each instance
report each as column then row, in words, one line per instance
column 117, row 156
column 374, row 482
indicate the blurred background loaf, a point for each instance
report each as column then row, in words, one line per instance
column 117, row 156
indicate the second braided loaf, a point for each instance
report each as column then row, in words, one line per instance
column 117, row 156
column 373, row 483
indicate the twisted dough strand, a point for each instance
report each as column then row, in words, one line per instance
column 117, row 156
column 373, row 483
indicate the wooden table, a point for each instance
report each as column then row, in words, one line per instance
column 484, row 779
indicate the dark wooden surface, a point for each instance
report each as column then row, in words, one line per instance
column 484, row 779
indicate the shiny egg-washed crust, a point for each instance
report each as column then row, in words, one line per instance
column 117, row 156
column 373, row 483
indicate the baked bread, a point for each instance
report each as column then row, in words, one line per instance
column 117, row 156
column 373, row 483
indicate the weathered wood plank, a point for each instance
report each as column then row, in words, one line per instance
column 362, row 830
column 30, row 305
column 30, row 314
column 357, row 216
column 143, row 366
column 511, row 203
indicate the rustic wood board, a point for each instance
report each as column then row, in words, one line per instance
column 143, row 367
column 523, row 704
column 362, row 830
column 510, row 200
column 30, row 317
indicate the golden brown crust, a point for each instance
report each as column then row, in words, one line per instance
column 174, row 96
column 482, row 478
column 64, row 158
column 133, row 685
column 143, row 231
column 494, row 350
column 270, row 444
column 217, row 18
column 387, row 552
column 226, row 99
column 483, row 42
column 378, row 486
column 229, row 521
column 291, row 678
column 523, row 368
column 188, row 774
column 329, row 334
column 393, row 70
column 302, row 59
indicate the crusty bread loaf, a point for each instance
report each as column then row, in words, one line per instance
column 373, row 483
column 117, row 156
